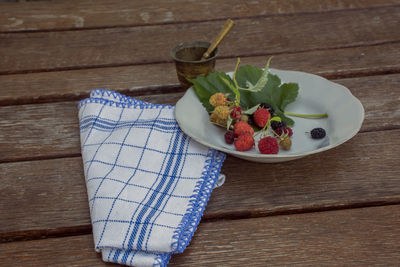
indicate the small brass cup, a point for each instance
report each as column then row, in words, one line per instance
column 187, row 61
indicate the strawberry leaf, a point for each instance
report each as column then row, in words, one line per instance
column 205, row 87
column 273, row 92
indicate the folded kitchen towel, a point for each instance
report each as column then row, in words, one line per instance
column 147, row 182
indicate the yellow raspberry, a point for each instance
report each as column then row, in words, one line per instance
column 222, row 112
column 217, row 99
column 214, row 118
column 220, row 115
column 286, row 142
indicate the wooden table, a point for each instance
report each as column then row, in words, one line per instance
column 340, row 207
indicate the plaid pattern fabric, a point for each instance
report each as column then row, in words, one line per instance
column 147, row 182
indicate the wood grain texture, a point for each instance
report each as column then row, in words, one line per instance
column 363, row 171
column 350, row 237
column 151, row 44
column 58, row 15
column 355, row 237
column 43, row 195
column 340, row 207
column 31, row 130
column 51, row 130
column 135, row 80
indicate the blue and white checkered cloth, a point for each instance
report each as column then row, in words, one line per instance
column 148, row 183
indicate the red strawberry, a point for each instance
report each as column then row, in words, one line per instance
column 261, row 117
column 242, row 127
column 268, row 145
column 244, row 142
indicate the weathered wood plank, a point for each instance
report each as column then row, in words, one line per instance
column 250, row 37
column 51, row 194
column 51, row 129
column 31, row 130
column 352, row 237
column 155, row 78
column 58, row 15
column 34, row 207
column 348, row 237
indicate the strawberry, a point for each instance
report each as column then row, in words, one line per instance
column 244, row 142
column 261, row 117
column 242, row 127
column 268, row 145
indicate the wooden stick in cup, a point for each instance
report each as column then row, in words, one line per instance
column 227, row 27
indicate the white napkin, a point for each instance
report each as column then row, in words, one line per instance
column 147, row 182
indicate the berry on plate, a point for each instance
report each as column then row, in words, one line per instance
column 229, row 137
column 285, row 142
column 277, row 124
column 217, row 99
column 220, row 115
column 261, row 117
column 242, row 127
column 268, row 145
column 244, row 142
column 318, row 133
column 236, row 113
column 284, row 130
column 268, row 107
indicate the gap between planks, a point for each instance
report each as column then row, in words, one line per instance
column 379, row 116
column 172, row 88
column 76, row 155
column 358, row 237
column 241, row 55
column 132, row 92
column 345, row 67
column 318, row 199
column 234, row 17
column 99, row 48
column 86, row 229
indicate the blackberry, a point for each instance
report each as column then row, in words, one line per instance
column 268, row 107
column 318, row 133
column 250, row 120
column 229, row 137
column 277, row 124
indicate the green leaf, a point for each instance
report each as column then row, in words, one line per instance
column 276, row 118
column 205, row 87
column 251, row 110
column 287, row 94
column 261, row 82
column 231, row 86
column 289, row 122
column 272, row 92
column 252, row 74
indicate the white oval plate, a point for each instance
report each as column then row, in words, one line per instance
column 316, row 95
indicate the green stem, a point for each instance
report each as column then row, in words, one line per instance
column 237, row 93
column 307, row 115
column 265, row 129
